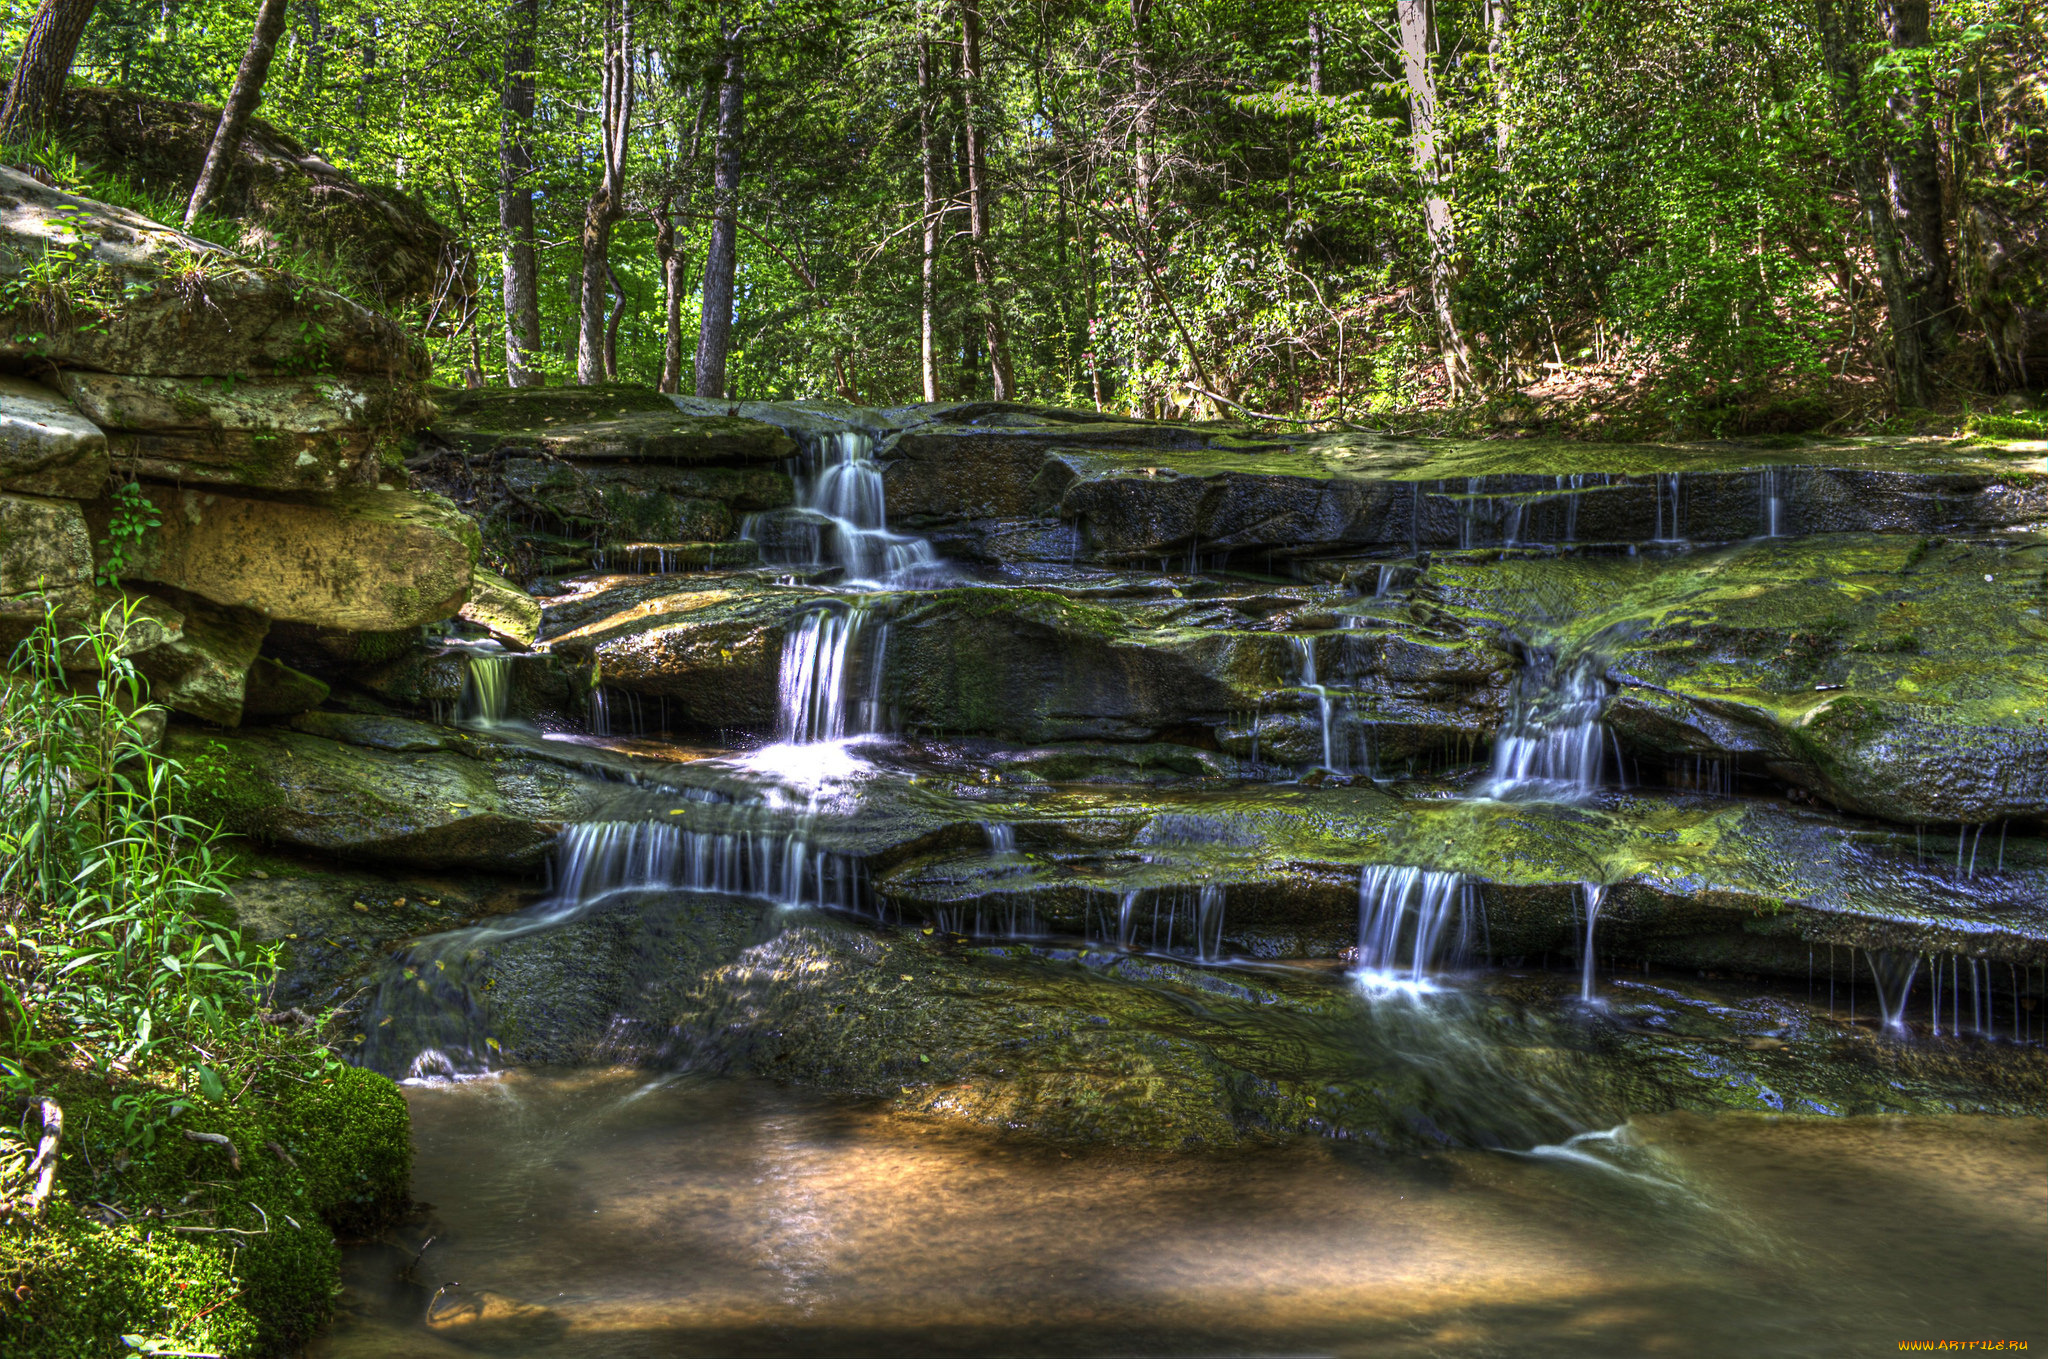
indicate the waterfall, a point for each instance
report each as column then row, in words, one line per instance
column 841, row 483
column 1411, row 921
column 1002, row 838
column 1592, row 894
column 1209, row 922
column 1305, row 655
column 1553, row 741
column 1892, row 1007
column 820, row 658
column 486, row 690
column 1669, row 485
column 1770, row 498
column 598, row 858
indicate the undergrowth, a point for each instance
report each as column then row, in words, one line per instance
column 175, row 1156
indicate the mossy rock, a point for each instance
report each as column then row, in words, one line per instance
column 85, row 1277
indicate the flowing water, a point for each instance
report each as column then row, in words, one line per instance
column 607, row 1213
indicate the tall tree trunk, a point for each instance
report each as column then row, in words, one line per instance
column 36, row 91
column 1840, row 31
column 1000, row 380
column 515, row 198
column 721, row 259
column 1498, row 18
column 1913, row 158
column 672, row 284
column 242, row 101
column 1145, row 175
column 608, row 202
column 611, row 324
column 1439, row 233
column 928, row 158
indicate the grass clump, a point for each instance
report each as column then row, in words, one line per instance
column 175, row 1156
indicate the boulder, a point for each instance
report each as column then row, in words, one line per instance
column 274, row 689
column 362, row 559
column 283, row 196
column 439, row 809
column 46, row 446
column 203, row 670
column 714, row 651
column 502, row 609
column 46, row 561
column 129, row 295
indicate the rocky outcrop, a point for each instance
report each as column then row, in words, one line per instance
column 47, row 447
column 283, row 195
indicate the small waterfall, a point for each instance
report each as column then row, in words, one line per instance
column 1002, row 837
column 1554, row 742
column 599, row 858
column 1770, row 498
column 1591, row 895
column 486, row 690
column 820, row 658
column 1894, row 986
column 1305, row 656
column 1209, row 922
column 1669, row 486
column 1169, row 920
column 841, row 483
column 1411, row 922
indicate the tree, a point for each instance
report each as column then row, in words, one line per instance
column 241, row 104
column 933, row 214
column 979, row 193
column 608, row 201
column 38, row 85
column 721, row 258
column 1913, row 165
column 1439, row 234
column 1841, row 32
column 515, row 198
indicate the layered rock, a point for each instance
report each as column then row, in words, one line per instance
column 46, row 446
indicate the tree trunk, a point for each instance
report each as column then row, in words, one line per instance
column 1913, row 158
column 1439, row 233
column 671, row 261
column 1003, row 386
column 242, row 101
column 1498, row 19
column 608, row 202
column 515, row 199
column 36, row 91
column 721, row 260
column 611, row 324
column 928, row 157
column 1839, row 33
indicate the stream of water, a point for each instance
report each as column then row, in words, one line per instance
column 604, row 1212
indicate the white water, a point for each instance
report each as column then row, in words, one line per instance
column 1305, row 656
column 1771, row 497
column 1591, row 895
column 599, row 858
column 840, row 482
column 1412, row 922
column 1554, row 744
column 820, row 659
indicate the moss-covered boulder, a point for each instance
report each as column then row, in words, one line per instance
column 105, row 288
column 364, row 559
column 308, row 1162
column 383, row 244
column 203, row 669
column 1896, row 676
column 616, row 422
column 502, row 609
column 441, row 808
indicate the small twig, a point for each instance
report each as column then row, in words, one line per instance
column 419, row 1255
column 43, row 1169
column 281, row 1154
column 435, row 1301
column 219, row 1140
column 215, row 1308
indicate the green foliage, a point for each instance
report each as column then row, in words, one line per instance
column 133, row 517
column 128, row 996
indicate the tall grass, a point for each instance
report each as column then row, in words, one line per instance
column 115, row 961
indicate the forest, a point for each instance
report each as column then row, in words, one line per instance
column 1023, row 677
column 1709, row 217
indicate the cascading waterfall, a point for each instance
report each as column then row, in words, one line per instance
column 1412, row 922
column 841, row 483
column 1894, row 986
column 1669, row 486
column 599, row 858
column 1554, row 743
column 486, row 690
column 1770, row 498
column 1305, row 656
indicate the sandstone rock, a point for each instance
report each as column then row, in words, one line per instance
column 501, row 608
column 203, row 671
column 46, row 446
column 45, row 560
column 255, row 458
column 140, row 297
column 714, row 652
column 362, row 559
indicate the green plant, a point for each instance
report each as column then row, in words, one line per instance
column 134, row 516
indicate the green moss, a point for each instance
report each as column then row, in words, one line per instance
column 219, row 791
column 263, row 1279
